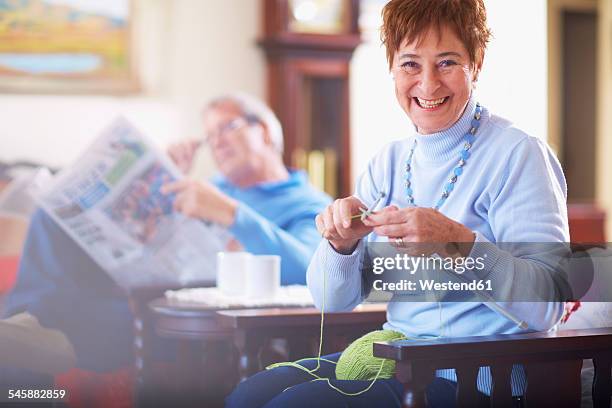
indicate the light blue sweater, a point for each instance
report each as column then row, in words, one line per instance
column 512, row 190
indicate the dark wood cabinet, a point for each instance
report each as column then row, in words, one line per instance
column 308, row 87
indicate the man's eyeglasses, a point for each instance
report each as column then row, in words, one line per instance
column 230, row 126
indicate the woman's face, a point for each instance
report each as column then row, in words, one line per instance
column 433, row 79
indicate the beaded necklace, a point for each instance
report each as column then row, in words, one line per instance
column 457, row 171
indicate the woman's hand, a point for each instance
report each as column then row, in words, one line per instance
column 335, row 224
column 182, row 154
column 202, row 200
column 423, row 229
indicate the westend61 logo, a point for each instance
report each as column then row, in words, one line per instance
column 411, row 264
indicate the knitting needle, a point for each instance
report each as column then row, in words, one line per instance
column 363, row 211
column 366, row 212
column 493, row 305
column 520, row 323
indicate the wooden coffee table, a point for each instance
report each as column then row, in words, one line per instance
column 217, row 346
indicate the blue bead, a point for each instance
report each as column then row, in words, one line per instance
column 458, row 171
column 440, row 202
column 408, row 191
column 407, row 175
column 475, row 123
column 449, row 187
column 465, row 154
column 469, row 138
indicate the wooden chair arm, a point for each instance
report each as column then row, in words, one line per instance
column 552, row 362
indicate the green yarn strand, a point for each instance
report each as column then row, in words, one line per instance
column 357, row 362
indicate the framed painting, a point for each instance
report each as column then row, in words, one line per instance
column 66, row 46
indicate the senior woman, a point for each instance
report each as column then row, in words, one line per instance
column 465, row 176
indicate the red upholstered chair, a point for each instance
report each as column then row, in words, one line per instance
column 117, row 389
column 87, row 389
column 8, row 273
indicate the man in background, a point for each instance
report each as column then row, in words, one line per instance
column 65, row 311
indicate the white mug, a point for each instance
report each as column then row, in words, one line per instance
column 232, row 272
column 263, row 277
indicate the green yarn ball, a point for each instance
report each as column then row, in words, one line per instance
column 358, row 363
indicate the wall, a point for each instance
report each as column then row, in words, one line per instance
column 555, row 67
column 603, row 168
column 604, row 113
column 213, row 51
column 376, row 117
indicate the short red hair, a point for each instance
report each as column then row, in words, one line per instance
column 411, row 19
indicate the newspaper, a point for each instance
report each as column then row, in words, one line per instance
column 110, row 203
column 18, row 198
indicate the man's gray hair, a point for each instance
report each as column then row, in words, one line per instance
column 252, row 107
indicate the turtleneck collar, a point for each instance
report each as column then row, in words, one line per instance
column 443, row 145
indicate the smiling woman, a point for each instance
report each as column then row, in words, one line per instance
column 433, row 79
column 435, row 65
column 463, row 181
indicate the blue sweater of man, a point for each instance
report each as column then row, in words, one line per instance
column 66, row 290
